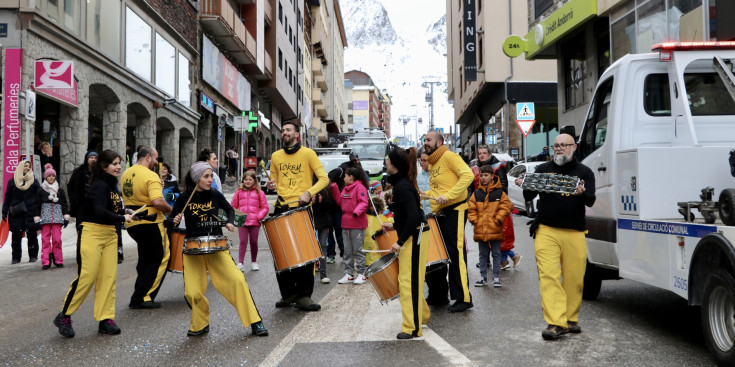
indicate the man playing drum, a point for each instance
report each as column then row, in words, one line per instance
column 200, row 206
column 449, row 177
column 141, row 186
column 292, row 172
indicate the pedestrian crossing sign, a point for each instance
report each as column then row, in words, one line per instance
column 525, row 111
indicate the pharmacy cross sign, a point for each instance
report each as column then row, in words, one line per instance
column 525, row 117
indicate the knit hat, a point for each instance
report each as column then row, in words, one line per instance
column 90, row 154
column 374, row 185
column 398, row 161
column 353, row 156
column 48, row 170
column 198, row 169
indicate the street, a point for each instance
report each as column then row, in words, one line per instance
column 629, row 324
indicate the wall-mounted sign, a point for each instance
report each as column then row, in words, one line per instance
column 359, row 105
column 53, row 74
column 470, row 53
column 571, row 15
column 11, row 123
column 218, row 72
column 206, row 102
column 67, row 96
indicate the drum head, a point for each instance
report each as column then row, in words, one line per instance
column 380, row 264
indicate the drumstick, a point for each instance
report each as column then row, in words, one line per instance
column 375, row 250
column 139, row 209
column 377, row 215
column 289, row 202
column 187, row 203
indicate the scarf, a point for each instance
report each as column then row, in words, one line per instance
column 434, row 157
column 295, row 148
column 52, row 190
column 22, row 181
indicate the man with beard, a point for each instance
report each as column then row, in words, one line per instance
column 560, row 240
column 292, row 171
column 449, row 177
column 141, row 186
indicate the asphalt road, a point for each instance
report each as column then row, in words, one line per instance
column 630, row 323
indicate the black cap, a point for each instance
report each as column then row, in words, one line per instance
column 353, row 156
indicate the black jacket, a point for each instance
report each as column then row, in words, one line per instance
column 15, row 196
column 77, row 188
column 406, row 208
column 104, row 204
column 323, row 210
column 560, row 210
column 202, row 208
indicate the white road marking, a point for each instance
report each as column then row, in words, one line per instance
column 346, row 309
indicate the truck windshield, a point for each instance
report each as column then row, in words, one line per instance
column 375, row 151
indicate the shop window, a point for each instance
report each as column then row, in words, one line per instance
column 184, row 81
column 575, row 71
column 107, row 38
column 165, row 66
column 137, row 45
column 685, row 20
column 651, row 25
column 622, row 31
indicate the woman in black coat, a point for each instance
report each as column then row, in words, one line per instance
column 22, row 189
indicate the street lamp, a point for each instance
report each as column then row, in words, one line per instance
column 430, row 99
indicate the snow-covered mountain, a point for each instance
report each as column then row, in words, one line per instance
column 401, row 44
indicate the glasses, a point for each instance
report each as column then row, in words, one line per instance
column 562, row 146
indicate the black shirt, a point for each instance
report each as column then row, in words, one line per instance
column 564, row 210
column 406, row 208
column 202, row 214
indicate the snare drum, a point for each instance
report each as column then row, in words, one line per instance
column 292, row 239
column 176, row 261
column 437, row 253
column 385, row 240
column 383, row 276
column 206, row 245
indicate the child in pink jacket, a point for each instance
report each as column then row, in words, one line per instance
column 354, row 203
column 250, row 200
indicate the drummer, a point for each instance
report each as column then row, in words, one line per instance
column 292, row 170
column 401, row 167
column 200, row 206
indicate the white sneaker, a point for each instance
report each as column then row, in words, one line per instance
column 346, row 279
column 325, row 280
column 360, row 279
column 240, row 266
column 255, row 267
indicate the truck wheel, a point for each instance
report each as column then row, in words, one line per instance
column 727, row 206
column 592, row 283
column 718, row 316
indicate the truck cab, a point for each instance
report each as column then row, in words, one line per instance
column 659, row 129
column 371, row 146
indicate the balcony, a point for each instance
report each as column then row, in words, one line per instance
column 321, row 82
column 268, row 13
column 316, row 67
column 316, row 95
column 268, row 65
column 220, row 20
column 321, row 109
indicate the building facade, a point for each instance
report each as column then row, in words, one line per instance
column 485, row 85
column 584, row 37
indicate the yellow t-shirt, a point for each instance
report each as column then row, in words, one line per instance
column 293, row 174
column 140, row 186
column 449, row 176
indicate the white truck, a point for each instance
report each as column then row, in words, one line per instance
column 371, row 146
column 658, row 133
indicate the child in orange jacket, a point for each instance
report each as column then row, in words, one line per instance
column 488, row 208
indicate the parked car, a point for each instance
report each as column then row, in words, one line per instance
column 515, row 193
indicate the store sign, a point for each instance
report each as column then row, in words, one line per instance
column 218, row 72
column 470, row 51
column 67, row 96
column 360, row 105
column 573, row 14
column 11, row 121
column 53, row 74
column 206, row 102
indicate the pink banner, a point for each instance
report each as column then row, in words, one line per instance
column 12, row 127
column 67, row 96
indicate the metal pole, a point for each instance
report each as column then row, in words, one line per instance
column 431, row 118
column 242, row 148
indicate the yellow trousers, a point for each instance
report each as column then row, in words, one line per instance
column 411, row 274
column 96, row 266
column 561, row 257
column 226, row 278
